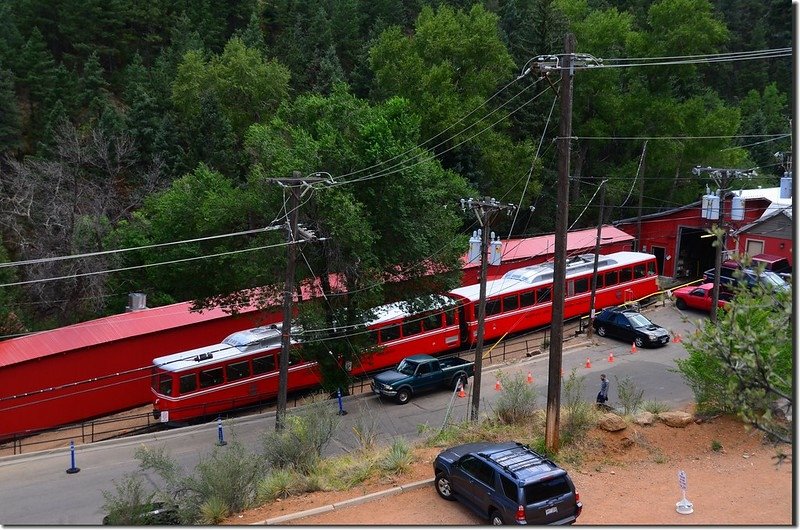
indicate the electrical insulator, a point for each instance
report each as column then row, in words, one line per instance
column 495, row 251
column 474, row 254
column 786, row 185
column 710, row 209
column 737, row 208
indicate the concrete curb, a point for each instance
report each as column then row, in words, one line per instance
column 344, row 504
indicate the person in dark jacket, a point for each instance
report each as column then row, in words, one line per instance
column 602, row 396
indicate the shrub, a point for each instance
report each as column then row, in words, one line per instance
column 280, row 484
column 214, row 511
column 229, row 475
column 299, row 445
column 365, row 429
column 655, row 406
column 517, row 401
column 629, row 395
column 578, row 414
column 716, row 446
column 124, row 505
column 399, row 457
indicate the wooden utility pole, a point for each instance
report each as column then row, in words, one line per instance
column 641, row 199
column 293, row 184
column 589, row 330
column 485, row 210
column 560, row 257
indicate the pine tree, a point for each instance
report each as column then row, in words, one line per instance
column 10, row 124
column 93, row 85
column 329, row 72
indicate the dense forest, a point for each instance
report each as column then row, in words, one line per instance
column 126, row 126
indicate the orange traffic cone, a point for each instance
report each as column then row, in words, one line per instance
column 497, row 386
column 633, row 347
column 461, row 392
column 611, row 357
column 676, row 338
column 588, row 363
column 530, row 377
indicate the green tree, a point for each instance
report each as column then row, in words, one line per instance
column 10, row 123
column 743, row 363
column 248, row 87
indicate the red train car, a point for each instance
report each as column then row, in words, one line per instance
column 522, row 298
column 101, row 366
column 243, row 369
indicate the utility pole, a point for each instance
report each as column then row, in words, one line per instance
column 292, row 184
column 641, row 199
column 566, row 64
column 486, row 210
column 722, row 178
column 589, row 330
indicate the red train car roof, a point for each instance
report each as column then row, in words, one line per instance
column 519, row 249
column 103, row 330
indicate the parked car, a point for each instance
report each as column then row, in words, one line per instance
column 732, row 274
column 699, row 297
column 776, row 264
column 507, row 483
column 151, row 513
column 421, row 373
column 630, row 325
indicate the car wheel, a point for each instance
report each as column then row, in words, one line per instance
column 639, row 342
column 403, row 396
column 680, row 304
column 601, row 331
column 495, row 519
column 443, row 486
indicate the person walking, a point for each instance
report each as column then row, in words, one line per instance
column 602, row 396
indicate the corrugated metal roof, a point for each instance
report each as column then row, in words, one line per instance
column 519, row 249
column 103, row 330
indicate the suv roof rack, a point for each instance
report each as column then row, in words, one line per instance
column 517, row 458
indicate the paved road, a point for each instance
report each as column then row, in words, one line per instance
column 36, row 490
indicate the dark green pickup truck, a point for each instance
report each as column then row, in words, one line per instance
column 420, row 373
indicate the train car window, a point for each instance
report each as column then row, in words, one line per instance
column 237, row 371
column 162, row 383
column 543, row 294
column 510, row 303
column 611, row 278
column 432, row 322
column 262, row 365
column 373, row 337
column 492, row 307
column 188, row 383
column 599, row 281
column 651, row 268
column 581, row 285
column 450, row 316
column 390, row 333
column 210, row 377
column 625, row 275
column 639, row 271
column 527, row 299
column 412, row 328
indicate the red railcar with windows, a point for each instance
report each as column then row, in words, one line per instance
column 243, row 369
column 522, row 299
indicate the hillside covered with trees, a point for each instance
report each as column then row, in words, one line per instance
column 129, row 125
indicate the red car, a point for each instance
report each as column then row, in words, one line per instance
column 699, row 297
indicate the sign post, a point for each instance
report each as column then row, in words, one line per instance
column 683, row 506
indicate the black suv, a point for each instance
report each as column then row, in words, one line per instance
column 508, row 483
column 629, row 325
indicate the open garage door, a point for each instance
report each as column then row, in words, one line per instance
column 695, row 253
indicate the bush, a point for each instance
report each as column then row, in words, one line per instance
column 214, row 511
column 280, row 484
column 399, row 458
column 578, row 414
column 228, row 475
column 124, row 506
column 629, row 395
column 299, row 445
column 517, row 401
column 655, row 406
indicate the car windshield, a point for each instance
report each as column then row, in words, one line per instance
column 772, row 280
column 407, row 367
column 638, row 321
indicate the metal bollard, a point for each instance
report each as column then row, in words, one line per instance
column 221, row 440
column 341, row 412
column 72, row 469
